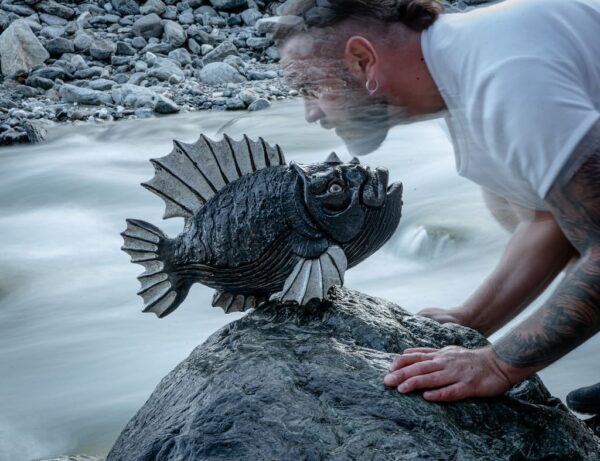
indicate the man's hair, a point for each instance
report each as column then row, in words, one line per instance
column 416, row 15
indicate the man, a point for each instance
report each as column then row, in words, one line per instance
column 519, row 84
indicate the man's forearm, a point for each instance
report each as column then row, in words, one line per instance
column 567, row 319
column 572, row 314
column 536, row 253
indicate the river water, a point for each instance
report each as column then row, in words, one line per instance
column 77, row 358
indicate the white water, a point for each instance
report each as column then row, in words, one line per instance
column 77, row 358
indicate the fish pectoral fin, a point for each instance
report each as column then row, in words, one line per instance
column 235, row 302
column 312, row 278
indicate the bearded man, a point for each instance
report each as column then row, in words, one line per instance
column 519, row 85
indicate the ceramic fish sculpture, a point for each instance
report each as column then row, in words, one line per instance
column 256, row 228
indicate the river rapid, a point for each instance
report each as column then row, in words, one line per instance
column 78, row 358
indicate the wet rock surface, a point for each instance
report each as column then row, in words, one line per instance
column 290, row 383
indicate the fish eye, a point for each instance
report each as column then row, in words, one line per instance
column 335, row 188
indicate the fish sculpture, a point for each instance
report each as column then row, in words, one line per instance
column 256, row 228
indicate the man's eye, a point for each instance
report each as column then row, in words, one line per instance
column 335, row 188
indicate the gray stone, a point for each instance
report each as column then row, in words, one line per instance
column 102, row 49
column 39, row 82
column 56, row 9
column 83, row 41
column 174, row 33
column 250, row 16
column 20, row 50
column 259, row 104
column 52, row 20
column 235, row 104
column 217, row 73
column 78, row 62
column 268, row 25
column 247, row 96
column 153, row 6
column 194, row 46
column 59, row 46
column 105, row 19
column 50, row 72
column 159, row 48
column 187, row 17
column 170, row 13
column 220, row 52
column 285, row 382
column 165, row 69
column 181, row 55
column 236, row 62
column 226, row 5
column 117, row 61
column 206, row 49
column 148, row 26
column 259, row 43
column 36, row 131
column 206, row 10
column 124, row 49
column 126, row 7
column 133, row 96
column 90, row 72
column 273, row 53
column 138, row 43
column 72, row 93
column 165, row 106
column 101, row 84
column 21, row 10
column 52, row 31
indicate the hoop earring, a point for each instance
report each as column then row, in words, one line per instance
column 370, row 88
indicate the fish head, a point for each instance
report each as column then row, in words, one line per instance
column 339, row 196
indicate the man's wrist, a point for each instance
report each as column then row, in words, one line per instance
column 513, row 375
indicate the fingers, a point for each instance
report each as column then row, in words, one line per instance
column 420, row 368
column 408, row 359
column 428, row 381
column 412, row 350
column 456, row 391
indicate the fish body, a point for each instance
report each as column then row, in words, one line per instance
column 288, row 231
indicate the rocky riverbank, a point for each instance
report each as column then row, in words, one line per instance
column 102, row 60
column 113, row 59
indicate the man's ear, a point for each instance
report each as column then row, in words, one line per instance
column 361, row 57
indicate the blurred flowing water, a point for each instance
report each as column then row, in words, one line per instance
column 77, row 358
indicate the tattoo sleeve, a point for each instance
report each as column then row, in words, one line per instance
column 572, row 314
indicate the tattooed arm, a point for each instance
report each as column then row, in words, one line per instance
column 572, row 314
column 567, row 319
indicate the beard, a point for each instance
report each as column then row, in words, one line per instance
column 367, row 124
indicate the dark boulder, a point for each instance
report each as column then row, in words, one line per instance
column 307, row 383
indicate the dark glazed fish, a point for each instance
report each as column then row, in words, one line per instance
column 257, row 228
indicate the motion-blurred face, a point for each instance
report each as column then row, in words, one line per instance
column 331, row 95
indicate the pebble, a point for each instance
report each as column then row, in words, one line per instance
column 259, row 104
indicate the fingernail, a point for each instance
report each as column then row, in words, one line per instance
column 403, row 387
column 388, row 378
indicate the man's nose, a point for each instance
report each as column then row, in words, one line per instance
column 312, row 111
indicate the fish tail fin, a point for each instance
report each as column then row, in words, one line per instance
column 162, row 289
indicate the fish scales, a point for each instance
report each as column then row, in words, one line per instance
column 227, row 223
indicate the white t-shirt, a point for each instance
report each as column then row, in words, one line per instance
column 521, row 80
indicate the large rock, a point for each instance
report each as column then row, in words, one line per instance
column 20, row 50
column 307, row 383
column 217, row 73
column 174, row 33
column 72, row 93
column 227, row 5
column 148, row 26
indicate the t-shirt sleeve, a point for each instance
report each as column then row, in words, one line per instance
column 531, row 114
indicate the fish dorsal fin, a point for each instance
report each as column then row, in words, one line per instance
column 191, row 174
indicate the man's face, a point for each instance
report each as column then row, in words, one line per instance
column 332, row 97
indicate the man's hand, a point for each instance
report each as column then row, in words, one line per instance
column 456, row 315
column 453, row 373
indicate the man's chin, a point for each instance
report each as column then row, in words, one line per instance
column 360, row 142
